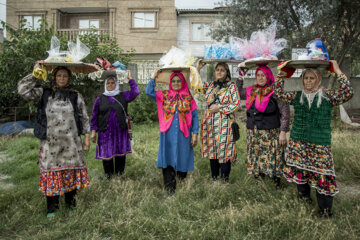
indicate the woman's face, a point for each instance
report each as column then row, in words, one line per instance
column 62, row 78
column 261, row 79
column 220, row 73
column 310, row 81
column 110, row 84
column 176, row 83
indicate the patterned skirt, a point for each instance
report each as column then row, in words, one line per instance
column 308, row 163
column 264, row 155
column 60, row 182
column 216, row 138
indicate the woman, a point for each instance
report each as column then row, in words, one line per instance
column 309, row 161
column 109, row 119
column 267, row 124
column 178, row 120
column 61, row 119
column 221, row 101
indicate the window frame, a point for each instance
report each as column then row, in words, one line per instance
column 156, row 12
column 21, row 14
column 200, row 21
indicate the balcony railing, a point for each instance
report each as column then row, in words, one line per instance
column 72, row 33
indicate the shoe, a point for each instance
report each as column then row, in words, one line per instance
column 51, row 216
column 325, row 213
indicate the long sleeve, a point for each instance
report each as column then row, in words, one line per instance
column 241, row 89
column 95, row 113
column 284, row 115
column 341, row 95
column 83, row 114
column 150, row 89
column 195, row 121
column 234, row 101
column 27, row 90
column 283, row 96
column 133, row 92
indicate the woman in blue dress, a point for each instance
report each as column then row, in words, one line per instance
column 178, row 120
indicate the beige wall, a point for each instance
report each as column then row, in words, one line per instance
column 147, row 43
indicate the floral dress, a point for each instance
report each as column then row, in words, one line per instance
column 61, row 156
column 264, row 154
column 308, row 161
column 216, row 136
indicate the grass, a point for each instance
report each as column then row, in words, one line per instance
column 135, row 206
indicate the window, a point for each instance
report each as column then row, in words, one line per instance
column 32, row 22
column 144, row 20
column 87, row 23
column 200, row 31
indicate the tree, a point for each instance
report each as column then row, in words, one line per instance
column 23, row 47
column 336, row 22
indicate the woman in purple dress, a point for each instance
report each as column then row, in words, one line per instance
column 109, row 119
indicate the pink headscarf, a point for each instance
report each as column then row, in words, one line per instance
column 260, row 94
column 167, row 101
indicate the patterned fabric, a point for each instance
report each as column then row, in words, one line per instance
column 311, row 157
column 216, row 137
column 283, row 107
column 63, row 147
column 261, row 96
column 309, row 162
column 169, row 100
column 264, row 155
column 60, row 182
column 324, row 184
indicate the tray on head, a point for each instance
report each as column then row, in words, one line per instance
column 74, row 67
column 253, row 64
column 302, row 64
column 221, row 60
column 164, row 75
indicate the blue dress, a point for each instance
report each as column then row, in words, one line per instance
column 174, row 149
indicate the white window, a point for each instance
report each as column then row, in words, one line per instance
column 144, row 20
column 32, row 22
column 200, row 31
column 87, row 23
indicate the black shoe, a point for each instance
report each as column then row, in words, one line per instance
column 325, row 213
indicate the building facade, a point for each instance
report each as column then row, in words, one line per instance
column 149, row 27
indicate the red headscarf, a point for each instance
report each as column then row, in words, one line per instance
column 167, row 101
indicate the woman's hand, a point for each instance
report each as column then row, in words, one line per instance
column 86, row 143
column 199, row 65
column 194, row 139
column 282, row 138
column 215, row 108
column 93, row 136
column 336, row 67
column 129, row 74
column 156, row 73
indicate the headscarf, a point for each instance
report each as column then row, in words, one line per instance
column 114, row 92
column 64, row 92
column 168, row 100
column 260, row 94
column 310, row 95
column 219, row 83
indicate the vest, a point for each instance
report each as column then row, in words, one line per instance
column 105, row 107
column 40, row 129
column 312, row 125
column 269, row 119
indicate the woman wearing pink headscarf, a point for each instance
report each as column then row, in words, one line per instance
column 178, row 120
column 267, row 124
column 309, row 162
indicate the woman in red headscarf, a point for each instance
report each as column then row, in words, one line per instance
column 178, row 120
column 267, row 124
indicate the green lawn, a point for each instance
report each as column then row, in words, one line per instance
column 135, row 206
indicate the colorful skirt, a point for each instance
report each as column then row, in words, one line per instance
column 264, row 154
column 60, row 182
column 308, row 163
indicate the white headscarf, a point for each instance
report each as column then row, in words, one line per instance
column 114, row 92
